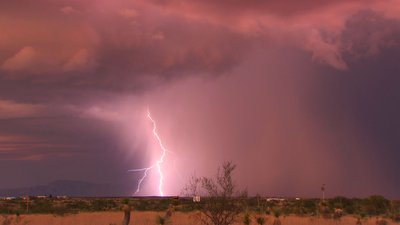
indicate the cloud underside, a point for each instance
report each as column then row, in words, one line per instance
column 106, row 45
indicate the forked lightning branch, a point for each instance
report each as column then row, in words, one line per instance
column 158, row 163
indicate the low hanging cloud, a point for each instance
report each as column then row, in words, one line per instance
column 69, row 10
column 24, row 59
column 11, row 109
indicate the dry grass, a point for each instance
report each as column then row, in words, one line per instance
column 100, row 218
column 149, row 218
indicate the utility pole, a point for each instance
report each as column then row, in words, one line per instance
column 323, row 192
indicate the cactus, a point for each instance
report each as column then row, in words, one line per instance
column 127, row 214
column 169, row 212
column 277, row 221
column 277, row 214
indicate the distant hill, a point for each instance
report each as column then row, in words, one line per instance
column 71, row 188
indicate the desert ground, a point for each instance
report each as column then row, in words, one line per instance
column 149, row 218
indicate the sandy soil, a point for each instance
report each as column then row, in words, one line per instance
column 149, row 218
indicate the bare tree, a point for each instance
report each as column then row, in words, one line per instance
column 191, row 189
column 223, row 202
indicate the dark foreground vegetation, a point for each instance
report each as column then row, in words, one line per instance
column 371, row 206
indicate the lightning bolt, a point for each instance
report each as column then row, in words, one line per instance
column 157, row 164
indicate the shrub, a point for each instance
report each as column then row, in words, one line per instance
column 260, row 220
column 376, row 205
column 381, row 222
column 161, row 220
column 246, row 219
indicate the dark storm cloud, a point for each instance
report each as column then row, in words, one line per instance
column 106, row 46
column 282, row 8
column 365, row 98
column 366, row 33
column 52, row 48
column 357, row 107
column 39, row 150
column 53, row 135
column 367, row 93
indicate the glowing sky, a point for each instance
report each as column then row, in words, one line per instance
column 296, row 93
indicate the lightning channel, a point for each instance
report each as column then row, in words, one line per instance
column 158, row 162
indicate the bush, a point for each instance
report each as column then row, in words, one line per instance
column 41, row 206
column 103, row 205
column 396, row 218
column 342, row 203
column 260, row 220
column 277, row 213
column 376, row 205
column 246, row 219
column 161, row 220
column 309, row 206
column 381, row 222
